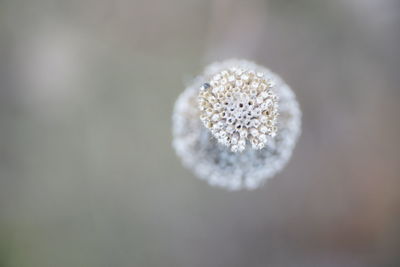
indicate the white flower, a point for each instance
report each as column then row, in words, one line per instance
column 237, row 148
column 238, row 102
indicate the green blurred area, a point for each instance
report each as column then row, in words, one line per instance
column 88, row 176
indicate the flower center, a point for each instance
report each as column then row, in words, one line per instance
column 237, row 105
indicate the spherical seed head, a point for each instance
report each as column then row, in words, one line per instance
column 216, row 163
column 237, row 105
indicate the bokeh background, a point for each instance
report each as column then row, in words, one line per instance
column 88, row 176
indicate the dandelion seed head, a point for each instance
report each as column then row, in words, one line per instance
column 239, row 101
column 208, row 141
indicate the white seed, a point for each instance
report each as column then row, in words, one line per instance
column 262, row 138
column 243, row 133
column 239, row 83
column 234, row 148
column 230, row 129
column 263, row 129
column 263, row 119
column 217, row 77
column 215, row 117
column 256, row 123
column 242, row 142
column 254, row 132
column 260, row 145
column 264, row 94
column 255, row 84
column 244, row 77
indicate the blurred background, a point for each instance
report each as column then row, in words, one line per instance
column 88, row 176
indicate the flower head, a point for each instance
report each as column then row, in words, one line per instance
column 237, row 105
column 208, row 146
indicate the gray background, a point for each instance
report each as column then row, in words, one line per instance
column 87, row 173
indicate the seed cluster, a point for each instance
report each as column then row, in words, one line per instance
column 237, row 105
column 217, row 164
